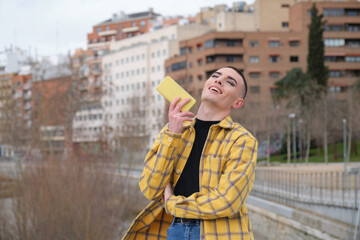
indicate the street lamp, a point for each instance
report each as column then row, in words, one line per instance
column 292, row 116
column 345, row 159
column 300, row 140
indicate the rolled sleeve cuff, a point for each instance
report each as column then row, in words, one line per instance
column 169, row 205
column 170, row 139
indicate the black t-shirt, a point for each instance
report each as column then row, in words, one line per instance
column 189, row 179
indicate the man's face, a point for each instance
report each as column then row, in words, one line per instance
column 224, row 89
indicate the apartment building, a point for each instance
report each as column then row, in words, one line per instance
column 51, row 115
column 6, row 106
column 131, row 107
column 121, row 26
column 266, row 56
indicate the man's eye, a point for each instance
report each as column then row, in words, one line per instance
column 231, row 83
column 214, row 75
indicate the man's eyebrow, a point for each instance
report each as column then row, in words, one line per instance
column 231, row 78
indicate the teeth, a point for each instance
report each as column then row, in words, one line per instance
column 215, row 89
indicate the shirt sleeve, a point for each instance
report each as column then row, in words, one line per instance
column 158, row 164
column 227, row 198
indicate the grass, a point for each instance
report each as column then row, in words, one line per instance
column 317, row 156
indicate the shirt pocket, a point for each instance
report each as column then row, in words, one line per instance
column 212, row 170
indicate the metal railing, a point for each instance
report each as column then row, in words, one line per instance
column 334, row 189
column 321, row 187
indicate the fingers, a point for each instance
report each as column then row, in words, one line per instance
column 181, row 104
column 176, row 117
column 173, row 104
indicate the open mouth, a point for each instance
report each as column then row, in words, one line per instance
column 214, row 89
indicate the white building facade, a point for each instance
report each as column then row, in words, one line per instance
column 131, row 106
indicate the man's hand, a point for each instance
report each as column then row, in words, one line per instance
column 176, row 117
column 168, row 192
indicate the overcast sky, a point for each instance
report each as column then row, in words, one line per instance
column 56, row 26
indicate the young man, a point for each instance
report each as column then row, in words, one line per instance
column 210, row 163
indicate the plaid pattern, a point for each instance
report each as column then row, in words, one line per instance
column 227, row 172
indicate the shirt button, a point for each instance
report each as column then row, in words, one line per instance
column 178, row 171
column 189, row 144
column 170, row 139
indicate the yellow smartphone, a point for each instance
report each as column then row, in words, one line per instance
column 171, row 90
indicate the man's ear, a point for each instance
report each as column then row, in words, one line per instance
column 238, row 103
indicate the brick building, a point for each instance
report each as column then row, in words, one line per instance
column 266, row 56
column 52, row 115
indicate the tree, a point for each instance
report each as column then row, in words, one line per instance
column 299, row 90
column 354, row 115
column 316, row 68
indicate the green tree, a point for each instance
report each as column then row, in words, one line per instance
column 303, row 89
column 316, row 68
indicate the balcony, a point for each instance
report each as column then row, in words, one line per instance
column 131, row 29
column 83, row 87
column 107, row 33
column 27, row 106
column 27, row 96
column 27, row 86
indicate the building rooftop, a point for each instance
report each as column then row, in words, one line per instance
column 121, row 16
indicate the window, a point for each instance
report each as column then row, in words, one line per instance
column 230, row 43
column 334, row 42
column 334, row 58
column 285, row 24
column 337, row 28
column 274, row 43
column 254, row 43
column 294, row 43
column 98, row 30
column 209, row 44
column 333, row 12
column 200, row 77
column 353, row 27
column 336, row 73
column 254, row 59
column 190, row 50
column 254, row 74
column 294, row 59
column 352, row 58
column 254, row 89
column 190, row 78
column 142, row 24
column 353, row 43
column 274, row 74
column 274, row 58
column 190, row 64
column 199, row 62
column 230, row 59
column 178, row 66
column 199, row 47
column 133, row 24
column 352, row 12
column 107, row 28
column 183, row 51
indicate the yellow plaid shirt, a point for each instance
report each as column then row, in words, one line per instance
column 227, row 172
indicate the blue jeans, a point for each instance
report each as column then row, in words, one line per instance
column 183, row 231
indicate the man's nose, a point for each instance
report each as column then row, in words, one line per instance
column 218, row 81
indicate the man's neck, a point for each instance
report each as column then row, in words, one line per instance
column 211, row 113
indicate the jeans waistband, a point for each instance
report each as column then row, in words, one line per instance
column 186, row 220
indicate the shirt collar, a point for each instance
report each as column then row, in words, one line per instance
column 225, row 123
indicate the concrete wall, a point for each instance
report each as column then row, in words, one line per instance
column 271, row 220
